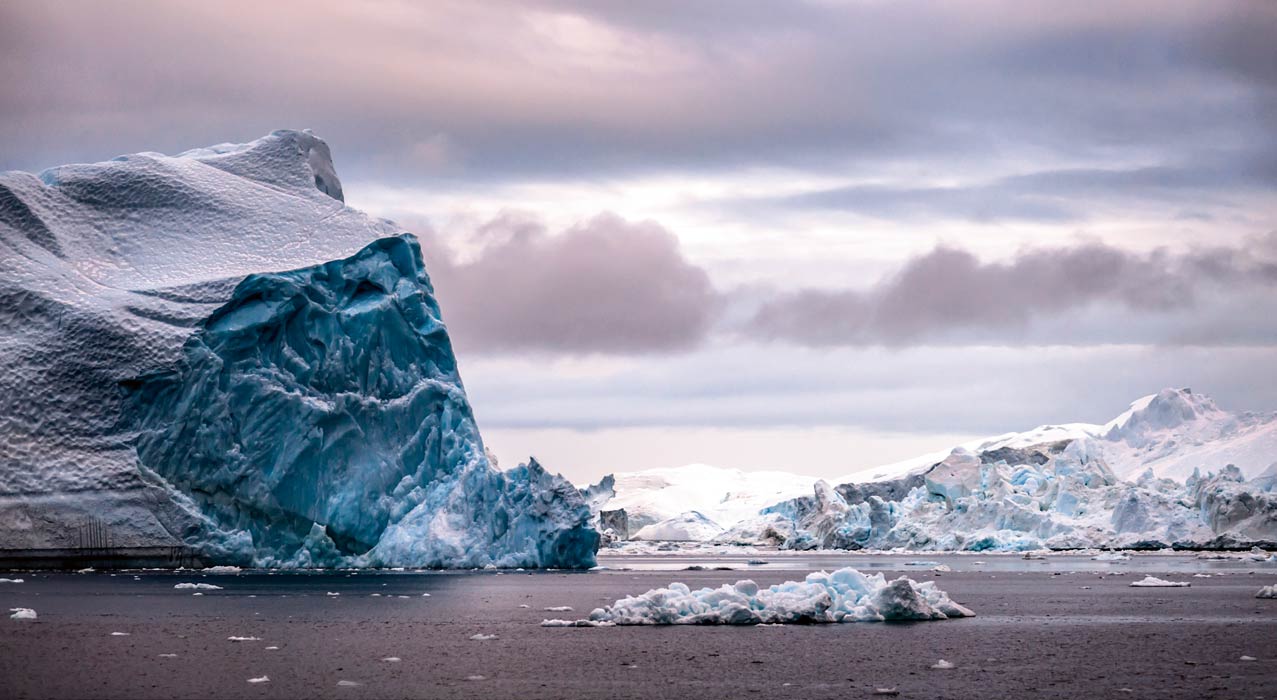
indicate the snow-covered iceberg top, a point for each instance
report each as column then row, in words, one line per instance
column 846, row 595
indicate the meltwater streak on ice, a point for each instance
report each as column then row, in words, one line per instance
column 211, row 350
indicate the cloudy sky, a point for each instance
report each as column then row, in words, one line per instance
column 814, row 236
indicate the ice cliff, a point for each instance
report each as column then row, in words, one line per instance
column 212, row 351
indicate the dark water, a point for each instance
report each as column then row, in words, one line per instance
column 1042, row 630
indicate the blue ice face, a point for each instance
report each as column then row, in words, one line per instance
column 330, row 396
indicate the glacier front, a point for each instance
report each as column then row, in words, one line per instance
column 211, row 354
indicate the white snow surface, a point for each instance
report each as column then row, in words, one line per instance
column 845, row 595
column 686, row 527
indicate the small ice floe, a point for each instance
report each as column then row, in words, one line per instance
column 425, row 595
column 86, row 570
column 1111, row 556
column 1154, row 582
column 197, row 593
column 1247, row 658
column 1267, row 592
column 942, row 665
column 525, row 605
column 476, row 678
column 243, row 639
column 22, row 614
column 197, row 587
column 392, row 659
column 119, row 634
column 260, row 679
column 272, row 648
column 481, row 637
column 581, row 623
column 891, row 692
column 222, row 570
column 1034, row 556
column 10, row 580
column 168, row 656
column 375, row 595
column 560, row 608
column 845, row 595
column 1201, row 575
column 943, row 568
column 348, row 684
column 332, row 593
column 1086, row 588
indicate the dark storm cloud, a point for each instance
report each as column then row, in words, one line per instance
column 499, row 90
column 950, row 296
column 606, row 285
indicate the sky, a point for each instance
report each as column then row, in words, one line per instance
column 810, row 236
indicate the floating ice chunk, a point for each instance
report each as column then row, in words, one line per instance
column 119, row 634
column 1111, row 556
column 942, row 665
column 272, row 648
column 481, row 637
column 168, row 656
column 85, row 570
column 425, row 595
column 198, row 586
column 244, row 639
column 348, row 684
column 476, row 678
column 1201, row 575
column 22, row 614
column 576, row 623
column 222, row 570
column 333, row 593
column 197, row 594
column 525, row 605
column 392, row 659
column 886, row 691
column 260, row 679
column 10, row 580
column 1267, row 592
column 1154, row 582
column 845, row 595
column 1247, row 658
column 560, row 608
column 943, row 568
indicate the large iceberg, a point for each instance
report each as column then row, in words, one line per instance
column 210, row 352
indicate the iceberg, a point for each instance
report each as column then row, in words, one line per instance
column 845, row 595
column 210, row 357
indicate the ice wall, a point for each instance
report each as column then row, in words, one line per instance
column 211, row 350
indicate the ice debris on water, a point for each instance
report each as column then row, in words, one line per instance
column 168, row 656
column 222, row 570
column 1154, row 582
column 1111, row 556
column 1246, row 657
column 119, row 634
column 392, row 659
column 244, row 639
column 1267, row 592
column 481, row 637
column 272, row 648
column 560, row 608
column 22, row 614
column 846, row 595
column 198, row 586
column 348, row 684
column 259, row 679
column 476, row 678
column 10, row 580
column 942, row 665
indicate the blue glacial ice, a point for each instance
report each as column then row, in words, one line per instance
column 211, row 351
column 845, row 595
